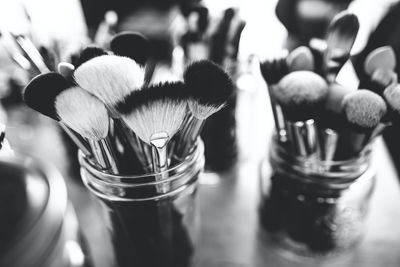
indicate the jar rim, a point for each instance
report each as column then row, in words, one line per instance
column 131, row 178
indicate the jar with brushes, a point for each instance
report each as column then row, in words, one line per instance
column 314, row 209
column 38, row 225
column 152, row 222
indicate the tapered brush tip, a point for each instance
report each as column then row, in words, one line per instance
column 392, row 97
column 159, row 108
column 301, row 94
column 41, row 92
column 89, row 53
column 208, row 84
column 131, row 44
column 300, row 58
column 83, row 112
column 363, row 109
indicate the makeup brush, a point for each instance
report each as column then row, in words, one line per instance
column 112, row 78
column 300, row 58
column 137, row 47
column 87, row 115
column 381, row 79
column 341, row 34
column 66, row 69
column 363, row 110
column 381, row 58
column 220, row 36
column 40, row 95
column 131, row 44
column 88, row 53
column 14, row 52
column 301, row 95
column 156, row 114
column 106, row 29
column 31, row 53
column 209, row 88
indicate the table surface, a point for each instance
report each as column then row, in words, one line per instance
column 230, row 232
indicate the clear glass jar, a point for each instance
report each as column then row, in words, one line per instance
column 149, row 228
column 314, row 209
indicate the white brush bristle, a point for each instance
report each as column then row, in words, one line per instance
column 83, row 112
column 110, row 78
column 164, row 115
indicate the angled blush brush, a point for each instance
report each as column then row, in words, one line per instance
column 156, row 114
column 341, row 35
column 40, row 95
column 301, row 95
column 209, row 88
column 87, row 115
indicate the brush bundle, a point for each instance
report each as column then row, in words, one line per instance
column 139, row 146
column 216, row 39
column 320, row 154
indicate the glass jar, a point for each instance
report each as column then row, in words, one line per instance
column 314, row 209
column 150, row 227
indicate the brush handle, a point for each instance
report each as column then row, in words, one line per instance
column 79, row 141
column 159, row 142
column 104, row 154
column 329, row 139
column 303, row 136
column 279, row 119
column 32, row 53
column 188, row 136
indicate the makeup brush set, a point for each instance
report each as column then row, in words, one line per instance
column 324, row 134
column 124, row 124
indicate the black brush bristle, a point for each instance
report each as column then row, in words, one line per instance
column 363, row 109
column 41, row 92
column 88, row 53
column 131, row 44
column 273, row 70
column 202, row 23
column 154, row 92
column 207, row 83
column 301, row 95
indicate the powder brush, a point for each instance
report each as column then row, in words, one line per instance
column 341, row 35
column 87, row 115
column 40, row 95
column 362, row 110
column 301, row 95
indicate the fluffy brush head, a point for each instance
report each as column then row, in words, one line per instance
column 83, row 112
column 209, row 87
column 131, row 44
column 41, row 92
column 363, row 109
column 300, row 58
column 110, row 78
column 301, row 94
column 159, row 108
column 380, row 58
column 88, row 53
